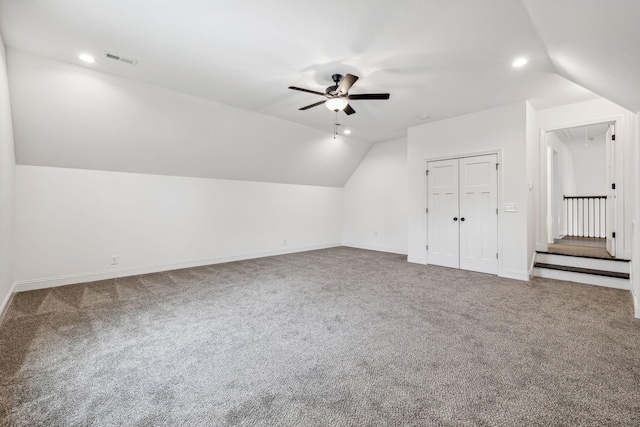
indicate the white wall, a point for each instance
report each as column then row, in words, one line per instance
column 559, row 186
column 635, row 245
column 502, row 129
column 375, row 200
column 533, row 170
column 69, row 222
column 589, row 165
column 567, row 178
column 75, row 117
column 598, row 111
column 7, row 186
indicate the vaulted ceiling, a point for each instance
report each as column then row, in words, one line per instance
column 439, row 58
column 594, row 43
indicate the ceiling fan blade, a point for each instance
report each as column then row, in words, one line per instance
column 312, row 105
column 349, row 110
column 346, row 83
column 369, row 96
column 306, row 90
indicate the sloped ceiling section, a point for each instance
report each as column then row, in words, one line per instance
column 593, row 43
column 439, row 58
column 208, row 95
column 68, row 116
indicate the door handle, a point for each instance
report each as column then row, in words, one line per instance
column 461, row 219
column 455, row 218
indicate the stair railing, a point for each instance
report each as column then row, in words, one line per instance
column 586, row 216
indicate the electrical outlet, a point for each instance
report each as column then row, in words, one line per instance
column 285, row 242
column 114, row 259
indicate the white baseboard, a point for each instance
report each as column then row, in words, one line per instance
column 417, row 260
column 7, row 301
column 636, row 306
column 517, row 275
column 374, row 248
column 49, row 282
column 533, row 262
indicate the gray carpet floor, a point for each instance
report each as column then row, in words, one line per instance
column 336, row 337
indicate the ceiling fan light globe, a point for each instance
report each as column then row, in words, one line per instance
column 336, row 104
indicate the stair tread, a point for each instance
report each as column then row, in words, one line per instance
column 582, row 270
column 583, row 256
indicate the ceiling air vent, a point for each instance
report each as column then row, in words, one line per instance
column 120, row 58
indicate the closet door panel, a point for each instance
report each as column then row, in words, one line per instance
column 442, row 199
column 478, row 214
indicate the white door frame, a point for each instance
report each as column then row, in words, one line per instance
column 425, row 191
column 542, row 233
column 610, row 147
column 552, row 194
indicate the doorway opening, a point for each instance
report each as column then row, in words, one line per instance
column 581, row 191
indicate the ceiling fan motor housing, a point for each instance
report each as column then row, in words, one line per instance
column 333, row 90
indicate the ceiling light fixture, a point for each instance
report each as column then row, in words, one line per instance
column 519, row 62
column 347, row 132
column 336, row 104
column 87, row 58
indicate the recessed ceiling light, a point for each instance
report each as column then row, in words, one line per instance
column 86, row 58
column 519, row 62
column 423, row 117
column 347, row 132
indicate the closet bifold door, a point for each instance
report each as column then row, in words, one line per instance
column 442, row 218
column 478, row 214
